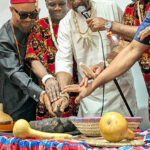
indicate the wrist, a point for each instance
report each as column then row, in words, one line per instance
column 46, row 77
column 42, row 97
column 108, row 25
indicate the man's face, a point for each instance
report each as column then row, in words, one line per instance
column 75, row 3
column 23, row 15
column 57, row 9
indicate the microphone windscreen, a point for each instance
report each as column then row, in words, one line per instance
column 81, row 9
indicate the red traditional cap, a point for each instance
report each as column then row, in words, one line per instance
column 22, row 1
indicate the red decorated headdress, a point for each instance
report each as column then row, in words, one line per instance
column 22, row 1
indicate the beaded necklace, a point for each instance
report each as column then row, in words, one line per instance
column 76, row 22
column 52, row 32
column 84, row 37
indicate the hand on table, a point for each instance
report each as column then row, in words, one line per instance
column 60, row 105
column 52, row 89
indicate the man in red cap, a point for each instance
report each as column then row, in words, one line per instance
column 18, row 92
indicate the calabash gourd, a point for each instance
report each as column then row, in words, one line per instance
column 23, row 130
column 4, row 118
column 114, row 127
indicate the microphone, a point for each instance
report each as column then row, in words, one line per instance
column 82, row 10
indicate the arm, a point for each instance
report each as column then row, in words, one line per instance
column 38, row 69
column 63, row 79
column 9, row 65
column 35, row 54
column 98, row 24
column 51, row 85
column 64, row 58
column 126, row 31
column 125, row 59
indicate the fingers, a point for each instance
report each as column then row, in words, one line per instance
column 49, row 92
column 94, row 68
column 87, row 74
column 96, row 24
column 99, row 70
column 143, row 34
column 82, row 82
column 78, row 99
column 57, row 89
column 56, row 104
column 52, row 89
column 65, row 104
column 86, row 82
column 89, row 20
column 48, row 105
column 72, row 88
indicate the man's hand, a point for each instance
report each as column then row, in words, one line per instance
column 144, row 33
column 83, row 91
column 60, row 105
column 97, row 69
column 52, row 89
column 96, row 24
column 45, row 99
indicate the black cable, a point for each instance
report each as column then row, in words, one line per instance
column 116, row 83
column 104, row 68
column 123, row 97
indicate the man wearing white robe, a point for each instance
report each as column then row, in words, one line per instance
column 76, row 39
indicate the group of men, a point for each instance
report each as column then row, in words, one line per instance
column 78, row 39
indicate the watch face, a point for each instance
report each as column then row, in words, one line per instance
column 108, row 25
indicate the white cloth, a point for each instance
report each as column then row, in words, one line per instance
column 90, row 54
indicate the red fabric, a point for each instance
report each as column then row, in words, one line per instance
column 22, row 1
column 41, row 47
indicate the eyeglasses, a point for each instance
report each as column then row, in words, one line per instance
column 24, row 15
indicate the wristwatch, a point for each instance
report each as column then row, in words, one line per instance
column 108, row 25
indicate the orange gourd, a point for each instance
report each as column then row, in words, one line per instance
column 4, row 118
column 114, row 127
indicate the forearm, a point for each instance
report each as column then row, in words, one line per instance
column 38, row 69
column 121, row 63
column 26, row 84
column 126, row 31
column 11, row 69
column 64, row 79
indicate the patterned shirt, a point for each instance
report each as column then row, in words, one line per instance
column 41, row 47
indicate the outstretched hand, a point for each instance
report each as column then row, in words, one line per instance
column 75, row 88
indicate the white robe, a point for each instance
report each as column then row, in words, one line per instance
column 91, row 54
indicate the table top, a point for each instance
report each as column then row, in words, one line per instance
column 7, row 141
